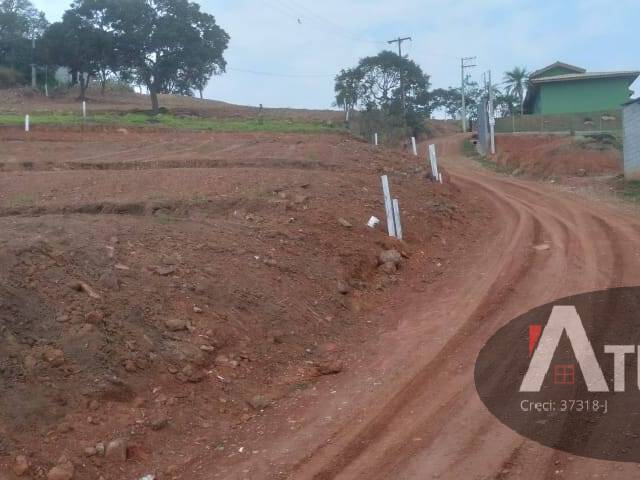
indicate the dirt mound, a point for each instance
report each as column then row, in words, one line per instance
column 542, row 156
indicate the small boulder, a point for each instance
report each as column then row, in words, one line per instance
column 329, row 368
column 259, row 402
column 343, row 287
column 345, row 223
column 389, row 268
column 54, row 356
column 175, row 324
column 165, row 270
column 62, row 471
column 116, row 450
column 21, row 465
column 390, row 256
column 159, row 423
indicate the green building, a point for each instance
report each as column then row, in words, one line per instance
column 562, row 88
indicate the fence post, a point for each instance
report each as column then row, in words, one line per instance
column 388, row 206
column 396, row 216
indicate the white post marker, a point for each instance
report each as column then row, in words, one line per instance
column 396, row 216
column 26, row 123
column 440, row 177
column 433, row 158
column 388, row 206
column 84, row 109
column 413, row 144
column 375, row 139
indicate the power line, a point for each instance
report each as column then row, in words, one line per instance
column 300, row 12
column 275, row 74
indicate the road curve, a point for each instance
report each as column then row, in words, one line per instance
column 432, row 424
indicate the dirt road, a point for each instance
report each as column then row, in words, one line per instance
column 412, row 411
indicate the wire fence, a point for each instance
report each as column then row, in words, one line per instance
column 579, row 123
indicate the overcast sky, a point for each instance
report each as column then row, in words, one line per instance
column 310, row 41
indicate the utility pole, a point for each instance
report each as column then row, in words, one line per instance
column 492, row 118
column 34, row 83
column 464, row 64
column 399, row 42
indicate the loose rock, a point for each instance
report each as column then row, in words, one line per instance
column 343, row 287
column 390, row 256
column 388, row 267
column 345, row 223
column 116, row 450
column 259, row 402
column 175, row 324
column 54, row 356
column 21, row 466
column 165, row 271
column 63, row 471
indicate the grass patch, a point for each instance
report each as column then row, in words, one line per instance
column 22, row 200
column 165, row 219
column 629, row 190
column 174, row 122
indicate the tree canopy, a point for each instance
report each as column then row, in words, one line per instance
column 169, row 46
column 374, row 85
column 20, row 23
column 516, row 84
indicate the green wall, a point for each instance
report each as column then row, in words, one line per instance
column 582, row 95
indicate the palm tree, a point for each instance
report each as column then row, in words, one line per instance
column 516, row 84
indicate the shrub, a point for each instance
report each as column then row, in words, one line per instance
column 10, row 78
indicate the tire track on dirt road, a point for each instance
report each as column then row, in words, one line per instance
column 435, row 426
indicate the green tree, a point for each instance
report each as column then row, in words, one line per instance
column 20, row 23
column 516, row 84
column 347, row 88
column 80, row 43
column 447, row 100
column 169, row 46
column 374, row 85
column 506, row 104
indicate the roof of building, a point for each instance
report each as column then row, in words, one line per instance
column 585, row 76
column 557, row 64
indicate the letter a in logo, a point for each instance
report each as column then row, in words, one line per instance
column 564, row 319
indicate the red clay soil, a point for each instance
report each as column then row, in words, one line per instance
column 164, row 294
column 410, row 409
column 546, row 156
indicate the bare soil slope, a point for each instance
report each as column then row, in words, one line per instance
column 164, row 297
column 542, row 156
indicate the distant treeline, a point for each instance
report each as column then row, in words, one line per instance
column 168, row 46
